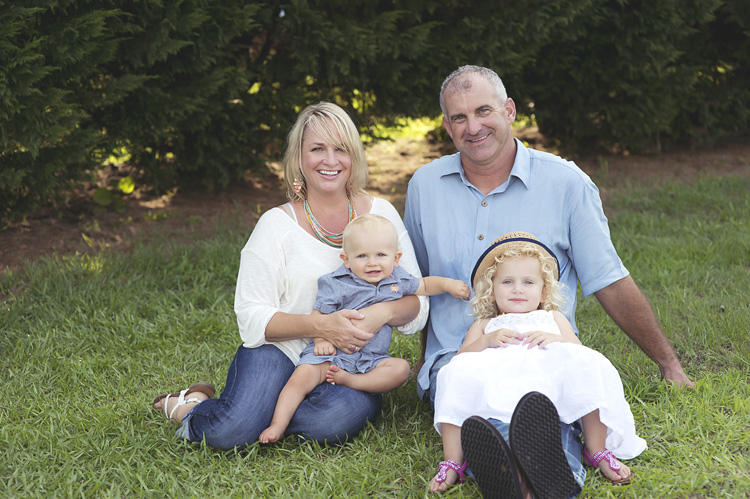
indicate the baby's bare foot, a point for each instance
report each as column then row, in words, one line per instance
column 337, row 376
column 271, row 434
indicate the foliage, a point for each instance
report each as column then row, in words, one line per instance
column 88, row 341
column 627, row 77
column 200, row 91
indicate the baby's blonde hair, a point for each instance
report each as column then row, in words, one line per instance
column 484, row 305
column 371, row 223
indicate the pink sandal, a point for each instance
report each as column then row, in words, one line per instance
column 612, row 461
column 443, row 467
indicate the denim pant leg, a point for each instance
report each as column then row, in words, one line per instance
column 571, row 443
column 334, row 414
column 255, row 379
column 439, row 363
column 245, row 407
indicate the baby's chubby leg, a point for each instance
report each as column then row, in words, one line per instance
column 303, row 380
column 390, row 373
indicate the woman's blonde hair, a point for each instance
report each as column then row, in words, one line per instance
column 336, row 127
column 483, row 304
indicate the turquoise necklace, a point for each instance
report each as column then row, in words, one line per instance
column 323, row 235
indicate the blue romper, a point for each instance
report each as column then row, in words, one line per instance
column 341, row 290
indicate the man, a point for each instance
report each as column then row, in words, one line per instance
column 458, row 204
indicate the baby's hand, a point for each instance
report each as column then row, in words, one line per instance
column 541, row 339
column 459, row 289
column 502, row 338
column 323, row 347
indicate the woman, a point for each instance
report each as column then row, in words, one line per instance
column 291, row 246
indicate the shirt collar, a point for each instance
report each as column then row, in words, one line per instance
column 521, row 166
column 343, row 270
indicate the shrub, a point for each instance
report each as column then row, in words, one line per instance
column 200, row 91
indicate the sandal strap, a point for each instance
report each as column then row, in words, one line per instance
column 180, row 401
column 196, row 387
column 608, row 455
column 443, row 467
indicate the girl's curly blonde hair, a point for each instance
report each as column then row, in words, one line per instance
column 483, row 304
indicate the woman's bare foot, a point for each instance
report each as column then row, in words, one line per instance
column 337, row 376
column 271, row 434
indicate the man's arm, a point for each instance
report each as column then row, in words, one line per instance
column 631, row 310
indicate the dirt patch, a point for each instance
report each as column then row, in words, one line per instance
column 82, row 226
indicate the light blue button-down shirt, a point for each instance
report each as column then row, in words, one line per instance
column 451, row 223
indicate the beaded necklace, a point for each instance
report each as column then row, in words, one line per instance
column 323, row 235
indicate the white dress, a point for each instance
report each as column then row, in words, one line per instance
column 577, row 379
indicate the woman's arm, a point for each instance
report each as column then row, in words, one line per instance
column 337, row 328
column 395, row 313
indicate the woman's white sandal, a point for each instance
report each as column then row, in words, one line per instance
column 200, row 387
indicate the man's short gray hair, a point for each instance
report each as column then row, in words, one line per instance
column 456, row 82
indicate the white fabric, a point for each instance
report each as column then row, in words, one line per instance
column 279, row 270
column 577, row 379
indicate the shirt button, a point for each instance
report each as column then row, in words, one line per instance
column 481, row 237
column 484, row 203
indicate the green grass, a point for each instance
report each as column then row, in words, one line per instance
column 87, row 341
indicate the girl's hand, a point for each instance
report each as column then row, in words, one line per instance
column 541, row 339
column 502, row 338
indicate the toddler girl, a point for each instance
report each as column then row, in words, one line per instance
column 521, row 343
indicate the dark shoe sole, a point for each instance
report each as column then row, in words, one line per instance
column 489, row 459
column 536, row 443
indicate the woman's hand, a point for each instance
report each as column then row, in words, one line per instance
column 372, row 319
column 340, row 328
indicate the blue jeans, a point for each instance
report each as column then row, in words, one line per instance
column 569, row 433
column 331, row 414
